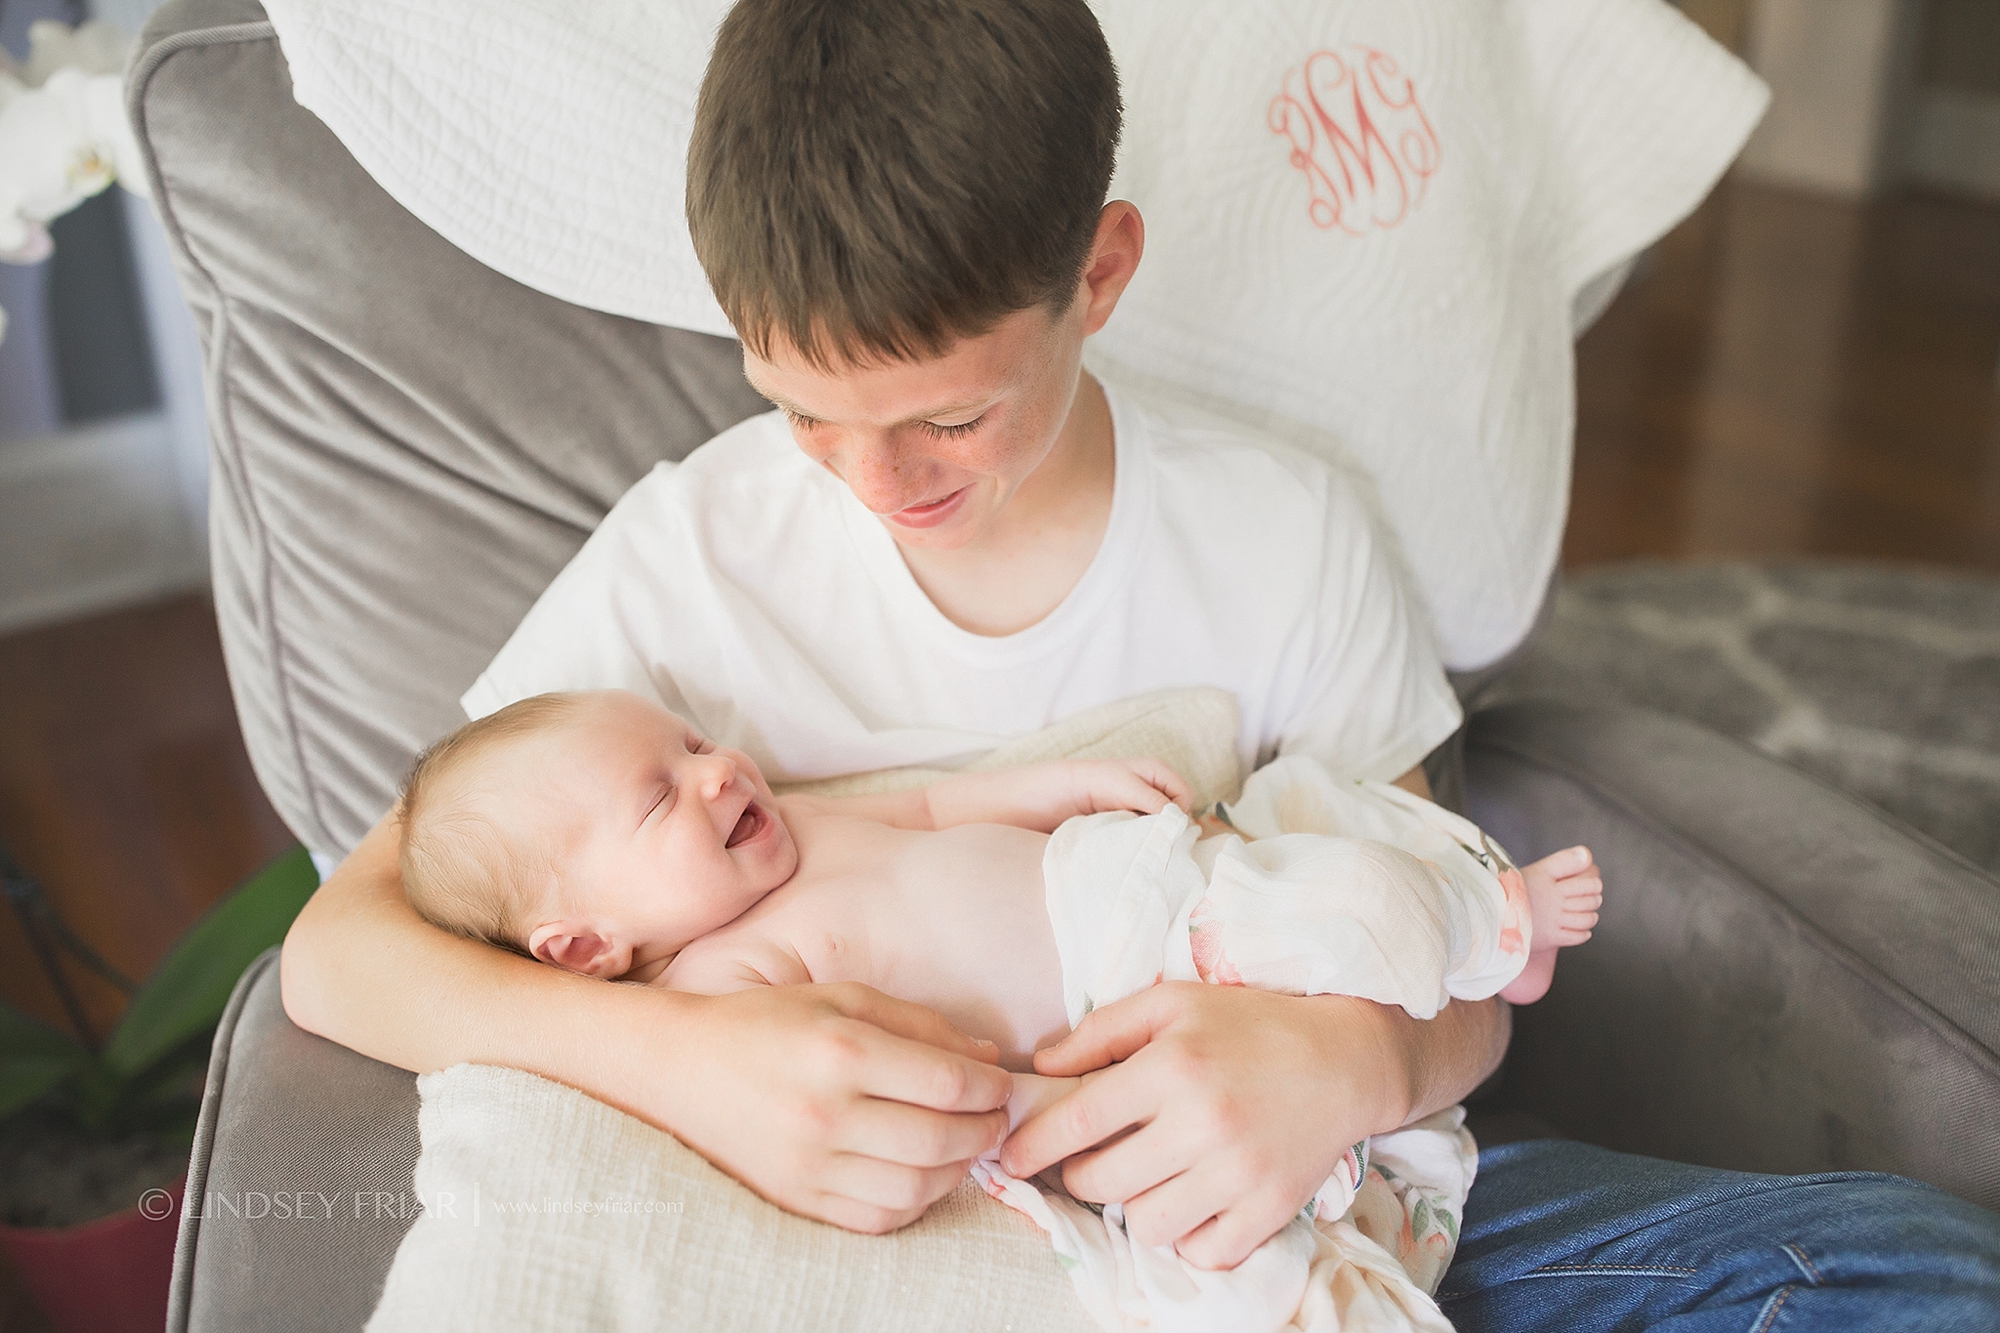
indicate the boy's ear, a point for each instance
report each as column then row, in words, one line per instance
column 1114, row 258
column 574, row 947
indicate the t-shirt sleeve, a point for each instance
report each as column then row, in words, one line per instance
column 1374, row 699
column 589, row 629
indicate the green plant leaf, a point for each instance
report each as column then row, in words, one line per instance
column 187, row 993
column 34, row 1059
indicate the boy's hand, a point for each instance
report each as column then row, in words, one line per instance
column 1239, row 1102
column 833, row 1101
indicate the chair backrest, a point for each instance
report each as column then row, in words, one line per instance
column 406, row 446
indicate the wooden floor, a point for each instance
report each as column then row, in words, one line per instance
column 1792, row 375
column 1786, row 375
column 124, row 789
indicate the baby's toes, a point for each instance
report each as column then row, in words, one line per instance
column 1567, row 865
column 1582, row 890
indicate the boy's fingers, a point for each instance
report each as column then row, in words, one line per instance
column 921, row 1075
column 906, row 1053
column 905, row 1019
column 1168, row 1211
column 1227, row 1239
column 899, row 1193
column 1079, row 1121
column 915, row 1137
column 1105, row 1106
column 1140, row 1164
column 1107, row 1035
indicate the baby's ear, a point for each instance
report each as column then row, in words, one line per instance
column 575, row 948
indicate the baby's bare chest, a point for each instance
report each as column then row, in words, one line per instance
column 956, row 921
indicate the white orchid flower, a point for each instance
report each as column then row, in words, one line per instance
column 63, row 132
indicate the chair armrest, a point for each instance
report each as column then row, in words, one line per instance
column 300, row 1188
column 1784, row 978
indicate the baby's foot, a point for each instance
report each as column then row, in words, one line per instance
column 1564, row 893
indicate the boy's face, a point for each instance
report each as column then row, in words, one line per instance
column 937, row 448
column 668, row 837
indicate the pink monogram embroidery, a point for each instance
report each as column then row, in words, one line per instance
column 1341, row 113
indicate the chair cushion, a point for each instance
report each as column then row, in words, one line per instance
column 299, row 1187
column 1783, row 979
column 406, row 446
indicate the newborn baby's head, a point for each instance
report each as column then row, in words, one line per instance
column 596, row 831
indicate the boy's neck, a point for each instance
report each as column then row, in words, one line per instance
column 1041, row 544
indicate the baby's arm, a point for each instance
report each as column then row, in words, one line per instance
column 1042, row 796
column 1038, row 797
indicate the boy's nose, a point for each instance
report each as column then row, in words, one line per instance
column 878, row 474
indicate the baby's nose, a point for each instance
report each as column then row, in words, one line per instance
column 719, row 774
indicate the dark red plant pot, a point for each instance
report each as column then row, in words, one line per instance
column 107, row 1276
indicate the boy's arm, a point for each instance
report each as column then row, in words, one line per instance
column 836, row 1102
column 1038, row 797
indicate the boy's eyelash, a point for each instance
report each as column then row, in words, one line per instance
column 930, row 428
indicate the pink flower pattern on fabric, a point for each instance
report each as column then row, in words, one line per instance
column 1205, row 942
column 1515, row 925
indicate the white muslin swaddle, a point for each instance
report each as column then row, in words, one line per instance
column 1348, row 888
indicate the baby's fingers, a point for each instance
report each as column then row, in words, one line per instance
column 1166, row 783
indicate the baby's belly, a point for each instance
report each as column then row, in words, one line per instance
column 972, row 939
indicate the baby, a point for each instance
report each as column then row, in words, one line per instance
column 601, row 833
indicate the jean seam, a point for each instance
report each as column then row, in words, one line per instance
column 1640, row 1270
column 1771, row 1310
column 1584, row 1270
column 1805, row 1266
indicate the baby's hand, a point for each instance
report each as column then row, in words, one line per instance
column 1145, row 785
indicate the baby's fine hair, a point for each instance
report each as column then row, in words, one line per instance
column 463, row 869
column 873, row 179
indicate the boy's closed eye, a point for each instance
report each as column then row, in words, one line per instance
column 941, row 432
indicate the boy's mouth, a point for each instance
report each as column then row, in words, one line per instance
column 749, row 824
column 932, row 514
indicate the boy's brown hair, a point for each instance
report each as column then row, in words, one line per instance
column 874, row 179
column 463, row 868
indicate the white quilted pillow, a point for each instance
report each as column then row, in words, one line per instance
column 1368, row 220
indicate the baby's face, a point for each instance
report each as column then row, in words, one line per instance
column 670, row 837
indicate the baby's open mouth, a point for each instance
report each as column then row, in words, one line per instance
column 748, row 825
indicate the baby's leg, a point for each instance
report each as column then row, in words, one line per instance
column 1564, row 893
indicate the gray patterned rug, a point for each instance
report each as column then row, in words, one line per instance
column 1881, row 680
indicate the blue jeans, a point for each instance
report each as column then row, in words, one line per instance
column 1570, row 1238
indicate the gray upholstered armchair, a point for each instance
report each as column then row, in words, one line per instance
column 408, row 446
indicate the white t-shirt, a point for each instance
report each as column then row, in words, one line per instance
column 748, row 590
